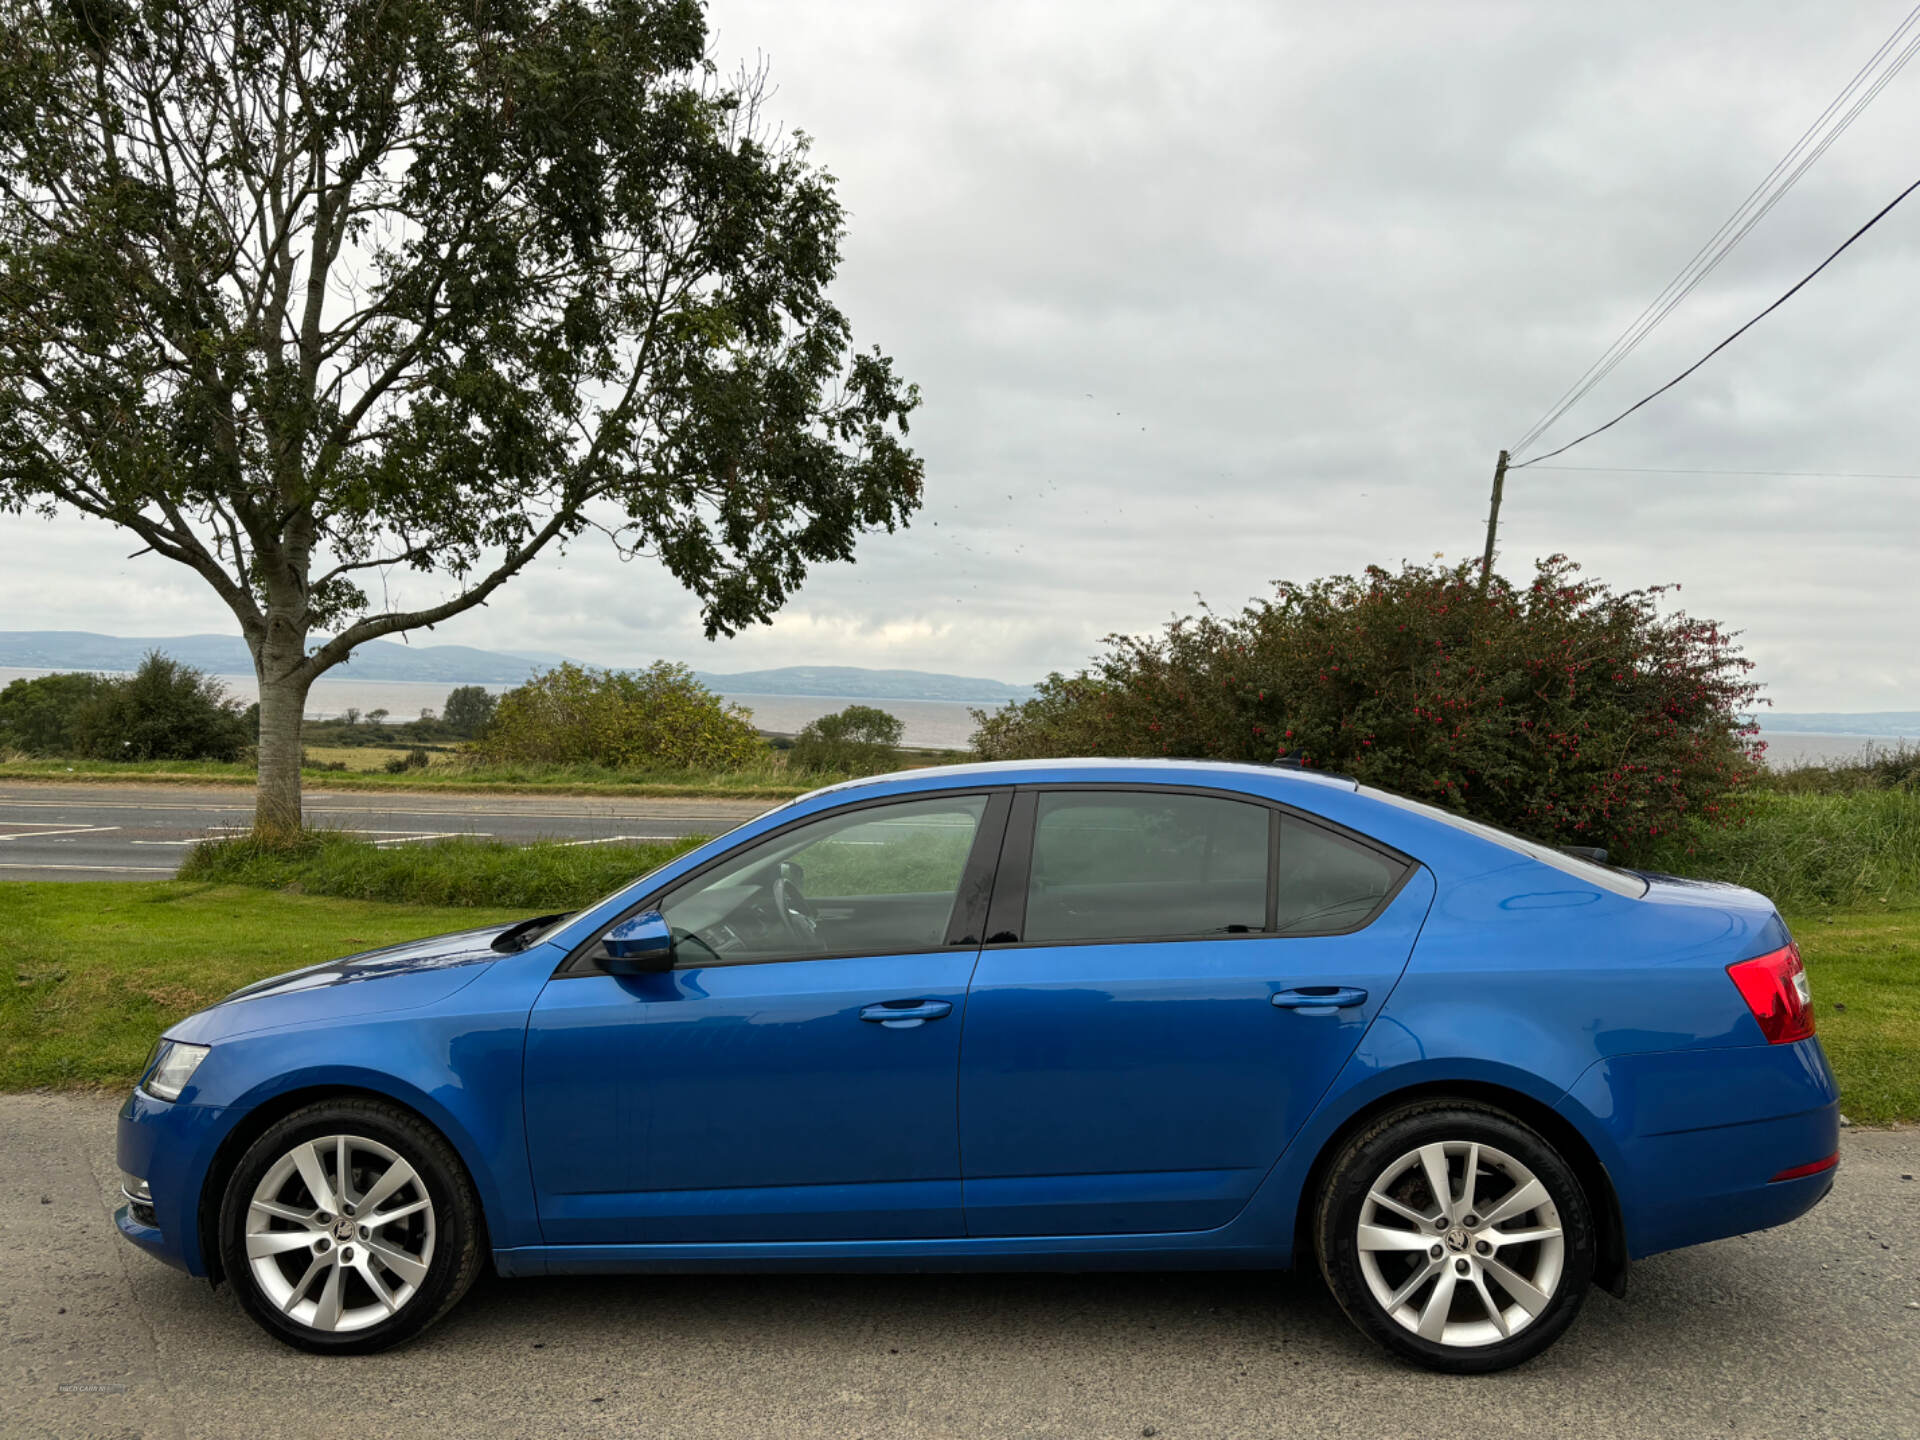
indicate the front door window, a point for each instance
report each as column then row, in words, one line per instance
column 878, row 880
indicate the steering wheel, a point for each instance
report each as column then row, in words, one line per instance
column 797, row 913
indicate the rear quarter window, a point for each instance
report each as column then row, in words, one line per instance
column 1327, row 881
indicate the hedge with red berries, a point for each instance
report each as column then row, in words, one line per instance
column 1562, row 708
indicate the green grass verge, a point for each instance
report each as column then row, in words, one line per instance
column 92, row 973
column 1865, row 969
column 543, row 876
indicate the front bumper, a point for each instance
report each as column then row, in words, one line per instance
column 171, row 1147
column 147, row 1237
column 1699, row 1135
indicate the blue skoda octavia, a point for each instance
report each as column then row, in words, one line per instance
column 1061, row 1015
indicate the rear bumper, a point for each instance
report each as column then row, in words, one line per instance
column 1697, row 1137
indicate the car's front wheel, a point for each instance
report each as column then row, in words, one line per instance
column 349, row 1226
column 1456, row 1236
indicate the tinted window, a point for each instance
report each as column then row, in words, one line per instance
column 875, row 880
column 1135, row 865
column 1328, row 882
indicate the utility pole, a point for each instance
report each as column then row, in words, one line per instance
column 1493, row 520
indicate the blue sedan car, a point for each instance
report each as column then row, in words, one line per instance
column 1061, row 1015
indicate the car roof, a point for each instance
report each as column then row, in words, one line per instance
column 1227, row 774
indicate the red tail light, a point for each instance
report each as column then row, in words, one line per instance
column 1776, row 990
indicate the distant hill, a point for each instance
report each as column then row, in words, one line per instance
column 852, row 683
column 227, row 655
column 464, row 665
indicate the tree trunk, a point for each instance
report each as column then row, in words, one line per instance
column 283, row 702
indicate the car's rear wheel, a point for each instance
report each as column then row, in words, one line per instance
column 349, row 1227
column 1456, row 1236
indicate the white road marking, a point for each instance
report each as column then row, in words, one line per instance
column 391, row 837
column 361, row 830
column 216, row 832
column 43, row 833
column 405, row 839
column 116, row 869
column 615, row 839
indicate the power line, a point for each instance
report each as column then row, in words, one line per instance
column 1801, row 284
column 1664, row 470
column 1751, row 211
column 1769, row 192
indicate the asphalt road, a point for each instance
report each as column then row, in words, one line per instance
column 114, row 832
column 1812, row 1330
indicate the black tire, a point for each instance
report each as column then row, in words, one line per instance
column 458, row 1232
column 1465, row 1310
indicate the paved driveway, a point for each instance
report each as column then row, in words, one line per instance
column 1811, row 1330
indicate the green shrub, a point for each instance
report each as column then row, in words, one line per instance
column 37, row 716
column 860, row 740
column 1562, row 709
column 414, row 759
column 163, row 711
column 658, row 718
column 468, row 709
column 488, row 873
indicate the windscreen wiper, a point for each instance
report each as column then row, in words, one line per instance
column 514, row 938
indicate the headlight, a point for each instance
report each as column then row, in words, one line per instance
column 173, row 1065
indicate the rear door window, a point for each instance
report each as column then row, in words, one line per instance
column 1135, row 865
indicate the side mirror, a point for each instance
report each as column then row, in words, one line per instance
column 639, row 945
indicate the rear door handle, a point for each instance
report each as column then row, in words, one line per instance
column 906, row 1014
column 1320, row 997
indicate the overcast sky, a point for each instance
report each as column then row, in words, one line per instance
column 1201, row 296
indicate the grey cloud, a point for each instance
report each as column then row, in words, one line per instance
column 1203, row 296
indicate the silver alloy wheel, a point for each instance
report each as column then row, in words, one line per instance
column 339, row 1233
column 1460, row 1243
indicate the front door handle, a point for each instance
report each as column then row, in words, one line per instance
column 906, row 1014
column 1320, row 997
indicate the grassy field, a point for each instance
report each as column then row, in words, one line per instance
column 90, row 974
column 362, row 757
column 1865, row 969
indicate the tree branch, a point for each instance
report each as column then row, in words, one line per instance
column 374, row 626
